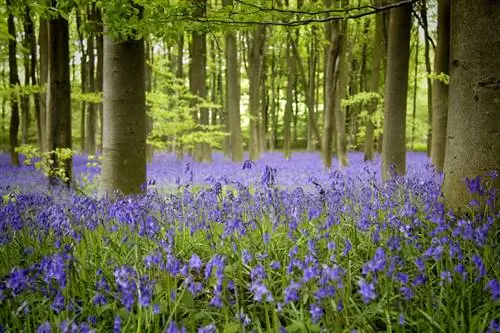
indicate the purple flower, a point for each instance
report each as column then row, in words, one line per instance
column 460, row 269
column 208, row 329
column 316, row 312
column 493, row 327
column 494, row 287
column 173, row 328
column 407, row 292
column 44, row 328
column 58, row 303
column 367, row 291
column 347, row 247
column 401, row 319
column 260, row 290
column 195, row 262
column 291, row 292
column 478, row 262
column 117, row 324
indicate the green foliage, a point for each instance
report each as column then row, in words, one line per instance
column 366, row 100
column 172, row 108
column 445, row 78
column 45, row 161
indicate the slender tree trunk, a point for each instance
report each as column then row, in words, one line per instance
column 378, row 50
column 396, row 88
column 313, row 62
column 44, row 67
column 233, row 93
column 415, row 90
column 124, row 147
column 255, row 60
column 148, row 82
column 83, row 79
column 440, row 89
column 287, row 120
column 263, row 107
column 99, row 74
column 30, row 34
column 13, row 82
column 331, row 75
column 91, row 119
column 340, row 115
column 25, row 98
column 429, row 81
column 473, row 135
column 272, row 139
column 59, row 95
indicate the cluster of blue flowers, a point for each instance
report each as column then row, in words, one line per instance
column 273, row 245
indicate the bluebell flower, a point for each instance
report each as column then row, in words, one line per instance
column 195, row 262
column 173, row 328
column 460, row 269
column 401, row 319
column 58, row 303
column 316, row 312
column 367, row 291
column 446, row 276
column 494, row 287
column 44, row 328
column 208, row 329
column 493, row 327
column 347, row 247
column 291, row 292
column 478, row 262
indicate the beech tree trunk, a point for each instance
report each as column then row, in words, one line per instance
column 124, row 146
column 44, row 67
column 440, row 88
column 59, row 95
column 396, row 89
column 287, row 118
column 378, row 51
column 473, row 134
column 340, row 115
column 255, row 64
column 429, row 70
column 233, row 93
column 91, row 119
column 13, row 82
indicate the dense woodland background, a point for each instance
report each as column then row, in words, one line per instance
column 329, row 76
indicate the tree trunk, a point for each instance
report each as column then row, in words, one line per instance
column 396, row 89
column 148, row 81
column 255, row 64
column 30, row 34
column 331, row 75
column 59, row 96
column 124, row 146
column 473, row 133
column 272, row 138
column 13, row 82
column 378, row 51
column 287, row 119
column 233, row 93
column 198, row 73
column 99, row 71
column 25, row 98
column 429, row 70
column 340, row 115
column 44, row 68
column 313, row 63
column 263, row 107
column 90, row 135
column 415, row 91
column 440, row 88
column 83, row 79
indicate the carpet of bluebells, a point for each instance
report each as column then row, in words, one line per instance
column 268, row 246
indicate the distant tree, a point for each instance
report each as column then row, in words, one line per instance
column 396, row 88
column 473, row 134
column 124, row 134
column 440, row 87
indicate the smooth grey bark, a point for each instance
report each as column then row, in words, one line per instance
column 429, row 70
column 440, row 88
column 25, row 98
column 396, row 89
column 44, row 67
column 233, row 93
column 473, row 133
column 91, row 117
column 83, row 79
column 308, row 89
column 148, row 81
column 124, row 146
column 342, row 77
column 331, row 75
column 99, row 74
column 287, row 117
column 31, row 36
column 13, row 82
column 255, row 64
column 415, row 91
column 59, row 95
column 263, row 107
column 198, row 74
column 378, row 51
column 273, row 104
